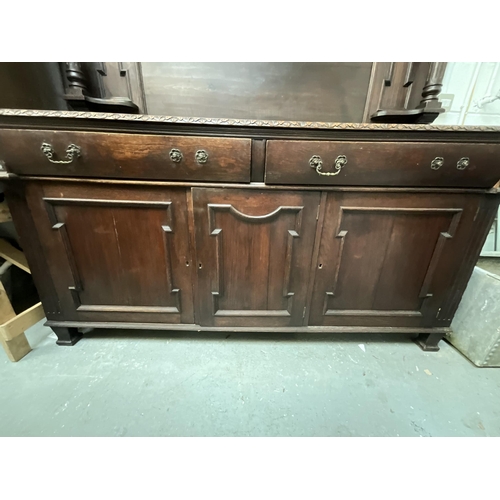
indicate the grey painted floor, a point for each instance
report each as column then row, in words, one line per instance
column 490, row 264
column 161, row 384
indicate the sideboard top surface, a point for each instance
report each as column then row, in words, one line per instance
column 232, row 122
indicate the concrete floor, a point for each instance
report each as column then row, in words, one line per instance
column 168, row 384
column 490, row 264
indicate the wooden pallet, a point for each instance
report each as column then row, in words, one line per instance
column 4, row 212
column 12, row 326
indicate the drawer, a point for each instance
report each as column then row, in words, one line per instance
column 130, row 156
column 383, row 163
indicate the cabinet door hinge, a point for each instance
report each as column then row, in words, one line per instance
column 304, row 312
column 317, row 213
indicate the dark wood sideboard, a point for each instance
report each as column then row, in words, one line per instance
column 156, row 222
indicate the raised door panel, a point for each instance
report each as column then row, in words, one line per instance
column 389, row 260
column 116, row 254
column 254, row 254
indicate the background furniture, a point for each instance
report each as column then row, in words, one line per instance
column 391, row 92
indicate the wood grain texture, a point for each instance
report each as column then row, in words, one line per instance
column 15, row 326
column 388, row 261
column 383, row 164
column 127, row 156
column 482, row 221
column 34, row 85
column 258, row 160
column 320, row 223
column 259, row 186
column 15, row 343
column 13, row 255
column 16, row 348
column 314, row 91
column 254, row 252
column 116, row 254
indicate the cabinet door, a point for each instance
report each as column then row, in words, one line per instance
column 115, row 253
column 254, row 252
column 389, row 259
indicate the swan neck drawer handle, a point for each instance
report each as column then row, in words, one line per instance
column 72, row 152
column 317, row 163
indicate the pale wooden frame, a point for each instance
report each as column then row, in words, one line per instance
column 12, row 326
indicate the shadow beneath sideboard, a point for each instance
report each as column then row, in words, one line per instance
column 356, row 338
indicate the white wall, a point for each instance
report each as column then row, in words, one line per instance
column 466, row 89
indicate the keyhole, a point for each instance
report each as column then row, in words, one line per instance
column 320, row 266
column 187, row 263
column 199, row 266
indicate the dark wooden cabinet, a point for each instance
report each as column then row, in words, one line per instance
column 209, row 225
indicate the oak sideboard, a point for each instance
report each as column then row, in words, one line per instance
column 171, row 223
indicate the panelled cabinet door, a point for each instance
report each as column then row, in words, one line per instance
column 389, row 259
column 253, row 252
column 116, row 253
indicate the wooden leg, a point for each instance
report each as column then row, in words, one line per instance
column 16, row 348
column 67, row 336
column 14, row 341
column 429, row 341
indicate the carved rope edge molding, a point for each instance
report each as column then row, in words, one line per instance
column 241, row 122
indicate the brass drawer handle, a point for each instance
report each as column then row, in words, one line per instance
column 201, row 156
column 175, row 155
column 317, row 163
column 72, row 152
column 437, row 163
column 463, row 163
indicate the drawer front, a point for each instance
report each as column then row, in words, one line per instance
column 130, row 156
column 383, row 164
